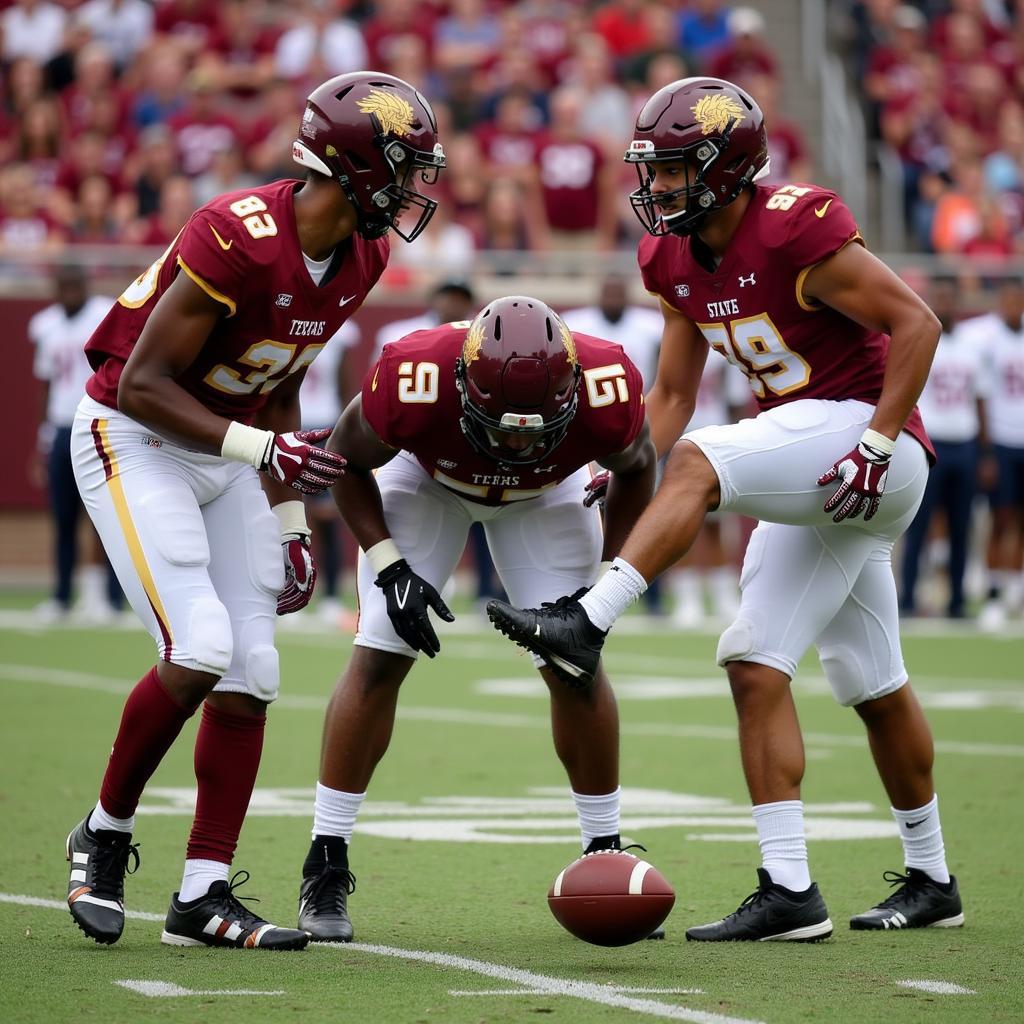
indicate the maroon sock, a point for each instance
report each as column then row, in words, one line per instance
column 150, row 723
column 228, row 750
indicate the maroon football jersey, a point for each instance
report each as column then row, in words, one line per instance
column 410, row 400
column 752, row 309
column 242, row 248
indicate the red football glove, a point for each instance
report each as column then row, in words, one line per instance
column 597, row 490
column 862, row 472
column 293, row 459
column 299, row 575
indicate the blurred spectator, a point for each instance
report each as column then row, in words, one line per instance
column 958, row 210
column 576, row 179
column 93, row 220
column 516, row 70
column 607, row 114
column 391, row 20
column 26, row 228
column 155, row 162
column 625, row 27
column 227, row 173
column 272, row 133
column 32, row 28
column 893, row 70
column 463, row 185
column 163, row 92
column 505, row 221
column 94, row 82
column 953, row 408
column 450, row 299
column 1004, row 166
column 746, row 52
column 999, row 336
column 445, row 247
column 786, row 147
column 189, row 23
column 321, row 43
column 85, row 159
column 703, row 28
column 39, row 140
column 201, row 128
column 509, row 143
column 177, row 204
column 124, row 27
column 25, row 83
column 239, row 55
column 59, row 333
column 466, row 38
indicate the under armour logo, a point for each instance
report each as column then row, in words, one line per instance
column 744, row 281
column 682, row 290
column 284, row 300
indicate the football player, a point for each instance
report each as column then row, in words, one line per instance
column 491, row 421
column 836, row 349
column 189, row 457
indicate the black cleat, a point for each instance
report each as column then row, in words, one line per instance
column 919, row 902
column 99, row 861
column 219, row 919
column 323, row 904
column 771, row 914
column 559, row 632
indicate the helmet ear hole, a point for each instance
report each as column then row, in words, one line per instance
column 551, row 333
column 344, row 92
column 497, row 328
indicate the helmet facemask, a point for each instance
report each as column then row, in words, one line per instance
column 395, row 199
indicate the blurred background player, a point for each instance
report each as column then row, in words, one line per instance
column 59, row 333
column 952, row 406
column 999, row 336
column 493, row 422
column 329, row 384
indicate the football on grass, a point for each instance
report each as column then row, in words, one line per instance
column 610, row 898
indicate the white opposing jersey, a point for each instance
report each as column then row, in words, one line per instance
column 723, row 387
column 1002, row 352
column 60, row 354
column 400, row 328
column 638, row 331
column 321, row 403
column 957, row 379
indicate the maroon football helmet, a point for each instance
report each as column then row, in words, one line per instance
column 370, row 132
column 518, row 375
column 711, row 128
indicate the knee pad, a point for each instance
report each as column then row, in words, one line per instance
column 210, row 643
column 263, row 673
column 845, row 674
column 736, row 643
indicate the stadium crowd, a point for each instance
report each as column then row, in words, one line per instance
column 118, row 117
column 944, row 84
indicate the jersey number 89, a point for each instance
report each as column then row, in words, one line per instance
column 755, row 345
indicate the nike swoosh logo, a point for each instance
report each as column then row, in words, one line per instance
column 914, row 824
column 822, row 210
column 376, row 374
column 346, row 300
column 536, row 631
column 405, row 597
column 220, row 241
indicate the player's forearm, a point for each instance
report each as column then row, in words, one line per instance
column 157, row 401
column 910, row 358
column 358, row 499
column 628, row 496
column 281, row 414
column 668, row 415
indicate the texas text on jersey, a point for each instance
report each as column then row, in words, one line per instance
column 242, row 249
column 411, row 401
column 752, row 307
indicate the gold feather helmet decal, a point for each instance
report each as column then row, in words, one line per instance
column 568, row 343
column 716, row 112
column 474, row 339
column 394, row 114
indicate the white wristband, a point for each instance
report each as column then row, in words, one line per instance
column 878, row 441
column 291, row 517
column 383, row 554
column 247, row 444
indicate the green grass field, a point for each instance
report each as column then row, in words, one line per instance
column 467, row 822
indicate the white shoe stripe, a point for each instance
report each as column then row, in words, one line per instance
column 233, row 932
column 87, row 897
column 636, row 878
column 78, row 876
column 80, row 858
column 262, row 931
column 213, row 924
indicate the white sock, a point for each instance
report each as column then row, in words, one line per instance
column 725, row 591
column 335, row 812
column 598, row 815
column 612, row 594
column 921, row 833
column 99, row 819
column 780, row 831
column 92, row 580
column 199, row 876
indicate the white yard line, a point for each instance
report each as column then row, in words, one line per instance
column 538, row 984
column 168, row 990
column 460, row 716
column 554, row 992
column 938, row 988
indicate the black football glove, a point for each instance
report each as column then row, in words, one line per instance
column 408, row 597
